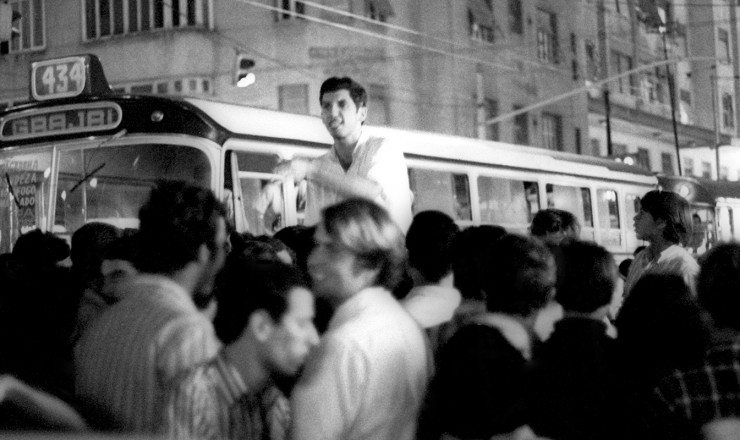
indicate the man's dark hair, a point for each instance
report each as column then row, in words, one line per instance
column 356, row 91
column 546, row 220
column 428, row 242
column 88, row 245
column 587, row 275
column 718, row 285
column 176, row 220
column 674, row 210
column 467, row 250
column 244, row 287
column 517, row 275
column 40, row 248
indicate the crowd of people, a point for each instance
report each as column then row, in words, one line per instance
column 353, row 330
column 368, row 324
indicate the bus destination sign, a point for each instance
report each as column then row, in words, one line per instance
column 59, row 78
column 73, row 118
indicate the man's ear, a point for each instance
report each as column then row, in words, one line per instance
column 362, row 113
column 261, row 325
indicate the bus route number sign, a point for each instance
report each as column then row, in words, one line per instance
column 58, row 78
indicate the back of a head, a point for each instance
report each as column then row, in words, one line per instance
column 89, row 243
column 334, row 84
column 366, row 230
column 38, row 248
column 587, row 275
column 674, row 210
column 245, row 287
column 718, row 285
column 517, row 275
column 428, row 242
column 546, row 221
column 300, row 239
column 660, row 325
column 468, row 247
column 176, row 220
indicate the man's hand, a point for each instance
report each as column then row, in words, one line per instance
column 297, row 168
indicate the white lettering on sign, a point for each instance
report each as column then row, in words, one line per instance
column 74, row 118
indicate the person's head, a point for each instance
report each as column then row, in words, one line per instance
column 40, row 249
column 299, row 239
column 343, row 106
column 660, row 327
column 663, row 214
column 554, row 225
column 467, row 249
column 357, row 246
column 282, row 251
column 428, row 242
column 587, row 278
column 718, row 285
column 517, row 276
column 267, row 311
column 118, row 263
column 88, row 245
column 182, row 225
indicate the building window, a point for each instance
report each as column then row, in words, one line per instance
column 578, row 140
column 619, row 150
column 480, row 21
column 643, row 158
column 291, row 9
column 595, row 147
column 516, row 20
column 378, row 112
column 378, row 10
column 104, row 18
column 724, row 43
column 30, row 27
column 706, row 169
column 552, row 131
column 521, row 128
column 592, row 66
column 547, row 36
column 190, row 86
column 666, row 160
column 492, row 132
column 724, row 173
column 688, row 166
column 652, row 86
column 293, row 98
column 685, row 96
column 728, row 111
column 621, row 63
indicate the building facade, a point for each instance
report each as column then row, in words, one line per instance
column 444, row 66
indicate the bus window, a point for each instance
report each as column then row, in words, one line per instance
column 24, row 194
column 510, row 203
column 576, row 201
column 608, row 217
column 262, row 193
column 111, row 184
column 441, row 191
column 631, row 208
column 723, row 223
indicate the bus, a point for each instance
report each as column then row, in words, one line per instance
column 79, row 153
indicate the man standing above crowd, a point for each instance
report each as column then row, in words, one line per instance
column 369, row 374
column 130, row 354
column 358, row 165
column 265, row 319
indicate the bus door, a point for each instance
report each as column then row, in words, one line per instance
column 258, row 196
column 25, row 192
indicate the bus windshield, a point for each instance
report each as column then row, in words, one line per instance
column 91, row 183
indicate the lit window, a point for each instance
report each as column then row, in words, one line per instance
column 30, row 27
column 104, row 18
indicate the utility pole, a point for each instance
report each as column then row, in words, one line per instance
column 663, row 29
column 715, row 113
column 604, row 69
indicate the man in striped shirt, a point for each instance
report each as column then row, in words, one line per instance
column 265, row 319
column 130, row 354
